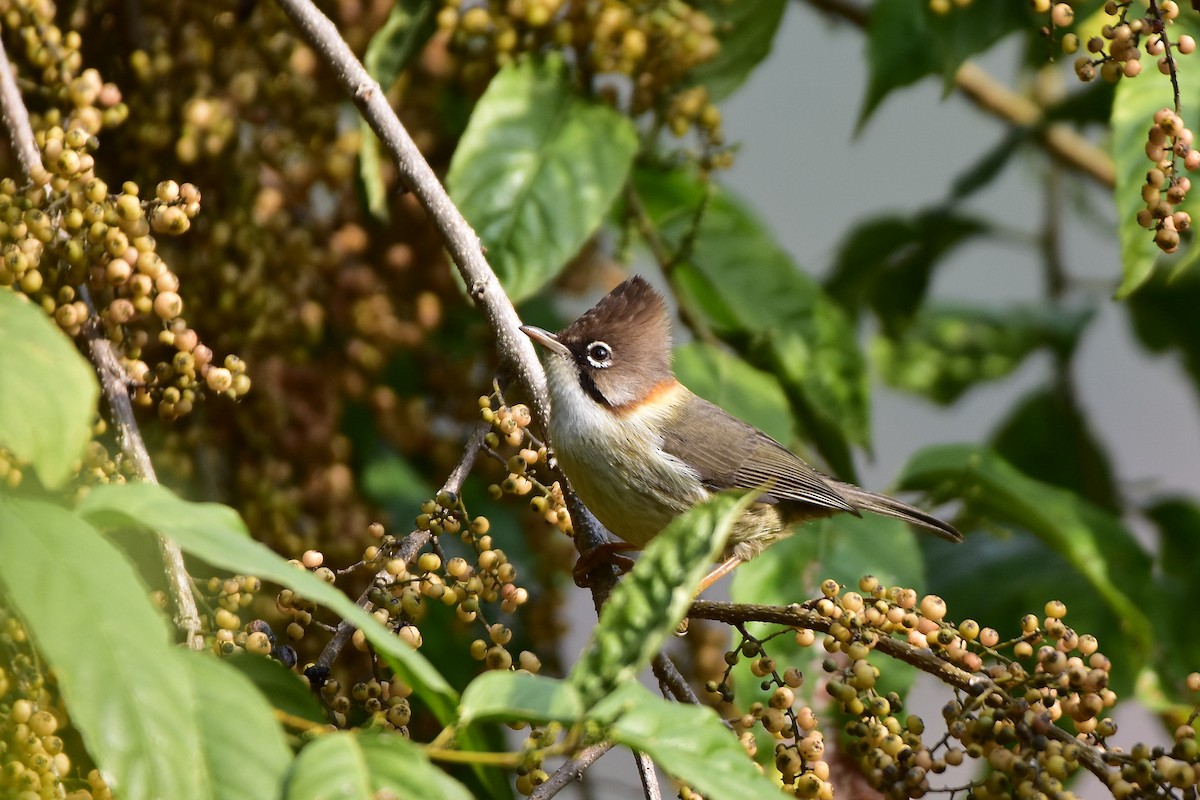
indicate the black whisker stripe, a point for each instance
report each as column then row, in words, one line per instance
column 593, row 391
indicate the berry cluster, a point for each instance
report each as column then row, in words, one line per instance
column 33, row 761
column 77, row 248
column 1117, row 51
column 511, row 426
column 1021, row 690
column 399, row 597
column 652, row 45
column 1167, row 140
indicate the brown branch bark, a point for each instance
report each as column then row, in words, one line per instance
column 570, row 771
column 99, row 350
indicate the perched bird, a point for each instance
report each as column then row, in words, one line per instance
column 640, row 449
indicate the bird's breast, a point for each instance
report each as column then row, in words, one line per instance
column 616, row 463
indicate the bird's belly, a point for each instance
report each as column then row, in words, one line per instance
column 632, row 487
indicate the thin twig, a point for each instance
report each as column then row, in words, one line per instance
column 670, row 677
column 410, row 549
column 16, row 120
column 570, row 771
column 648, row 775
column 113, row 380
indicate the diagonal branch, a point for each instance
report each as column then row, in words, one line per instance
column 100, row 351
column 515, row 350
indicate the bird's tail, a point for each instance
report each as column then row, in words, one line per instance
column 891, row 507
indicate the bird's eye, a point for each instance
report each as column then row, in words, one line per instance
column 599, row 355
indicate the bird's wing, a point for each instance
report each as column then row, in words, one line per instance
column 729, row 454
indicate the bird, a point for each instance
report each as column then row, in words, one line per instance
column 639, row 448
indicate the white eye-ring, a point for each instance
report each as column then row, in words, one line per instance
column 599, row 355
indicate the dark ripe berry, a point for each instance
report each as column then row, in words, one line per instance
column 317, row 675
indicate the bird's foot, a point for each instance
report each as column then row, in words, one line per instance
column 607, row 554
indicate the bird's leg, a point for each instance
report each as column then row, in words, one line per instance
column 724, row 568
column 606, row 553
column 720, row 571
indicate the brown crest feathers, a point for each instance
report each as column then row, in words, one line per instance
column 633, row 322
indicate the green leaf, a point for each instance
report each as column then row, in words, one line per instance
column 216, row 534
column 519, row 697
column 647, row 605
column 1163, row 314
column 1047, row 437
column 391, row 49
column 745, row 29
column 1092, row 541
column 887, row 262
column 49, row 398
column 689, row 742
column 907, row 41
column 536, row 172
column 989, row 166
column 842, row 547
column 242, row 748
column 90, row 617
column 391, row 481
column 282, row 687
column 1176, row 590
column 1132, row 116
column 748, row 290
column 1019, row 575
column 951, row 349
column 402, row 37
column 368, row 766
column 749, row 394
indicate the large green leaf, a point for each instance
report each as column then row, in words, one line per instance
column 1047, row 437
column 745, row 29
column 1164, row 318
column 216, row 534
column 90, row 617
column 1095, row 543
column 752, row 295
column 1132, row 116
column 368, row 766
column 887, row 262
column 906, row 41
column 284, row 689
column 689, row 742
column 242, row 747
column 537, row 170
column 750, row 394
column 1176, row 589
column 49, row 397
column 950, row 349
column 647, row 605
column 519, row 697
column 997, row 579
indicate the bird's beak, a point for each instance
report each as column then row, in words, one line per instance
column 547, row 340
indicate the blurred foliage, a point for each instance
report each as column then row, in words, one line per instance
column 306, row 370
